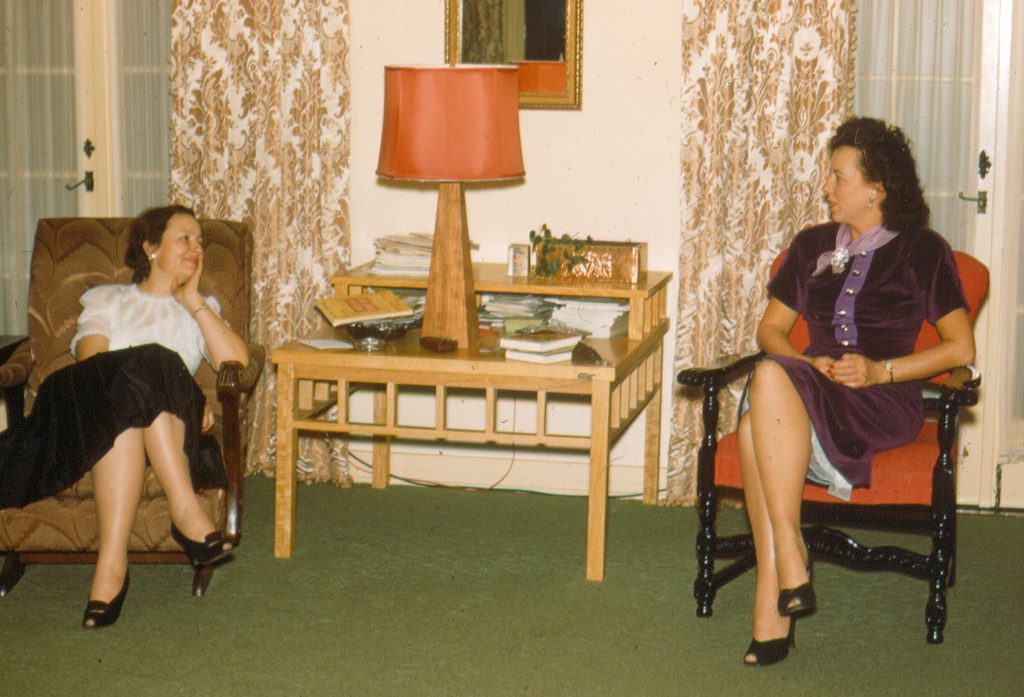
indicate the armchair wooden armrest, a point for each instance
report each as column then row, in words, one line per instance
column 723, row 367
column 959, row 387
column 710, row 380
column 234, row 384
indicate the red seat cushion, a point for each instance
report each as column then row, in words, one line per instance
column 900, row 475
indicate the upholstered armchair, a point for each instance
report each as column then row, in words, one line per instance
column 913, row 487
column 70, row 256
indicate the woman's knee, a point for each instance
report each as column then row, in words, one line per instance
column 166, row 420
column 770, row 379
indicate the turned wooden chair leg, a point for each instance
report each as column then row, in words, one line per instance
column 11, row 573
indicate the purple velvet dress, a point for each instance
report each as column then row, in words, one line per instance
column 874, row 307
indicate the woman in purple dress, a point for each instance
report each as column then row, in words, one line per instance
column 864, row 283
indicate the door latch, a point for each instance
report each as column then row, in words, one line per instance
column 981, row 200
column 87, row 181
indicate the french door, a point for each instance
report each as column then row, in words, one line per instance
column 38, row 137
column 84, row 124
column 943, row 71
column 993, row 474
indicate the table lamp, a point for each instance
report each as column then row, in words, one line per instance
column 451, row 124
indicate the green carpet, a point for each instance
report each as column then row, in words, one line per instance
column 421, row 592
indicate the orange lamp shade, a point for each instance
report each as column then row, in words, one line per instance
column 451, row 123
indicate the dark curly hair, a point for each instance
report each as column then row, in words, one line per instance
column 885, row 158
column 149, row 227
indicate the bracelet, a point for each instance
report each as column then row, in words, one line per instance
column 888, row 366
column 196, row 311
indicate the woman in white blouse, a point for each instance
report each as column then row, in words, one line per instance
column 162, row 306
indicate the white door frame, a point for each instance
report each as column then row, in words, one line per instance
column 994, row 242
column 94, row 67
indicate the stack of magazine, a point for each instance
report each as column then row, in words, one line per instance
column 402, row 255
column 496, row 309
column 540, row 346
column 598, row 317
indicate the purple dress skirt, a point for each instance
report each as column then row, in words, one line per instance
column 82, row 408
column 875, row 307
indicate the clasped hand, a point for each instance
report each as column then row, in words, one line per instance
column 852, row 370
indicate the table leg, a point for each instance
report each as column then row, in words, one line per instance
column 652, row 447
column 285, row 479
column 597, row 506
column 381, row 444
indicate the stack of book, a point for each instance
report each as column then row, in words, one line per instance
column 541, row 346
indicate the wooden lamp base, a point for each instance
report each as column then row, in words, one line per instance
column 451, row 308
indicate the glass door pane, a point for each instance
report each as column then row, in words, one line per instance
column 1013, row 444
column 38, row 148
column 917, row 69
column 142, row 45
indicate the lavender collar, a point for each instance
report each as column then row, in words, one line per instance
column 838, row 257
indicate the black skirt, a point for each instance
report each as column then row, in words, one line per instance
column 82, row 408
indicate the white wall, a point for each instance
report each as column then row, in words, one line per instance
column 610, row 170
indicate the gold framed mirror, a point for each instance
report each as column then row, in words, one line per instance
column 544, row 38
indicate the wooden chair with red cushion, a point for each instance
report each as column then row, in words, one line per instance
column 913, row 487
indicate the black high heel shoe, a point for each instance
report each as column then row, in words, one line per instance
column 800, row 601
column 765, row 653
column 100, row 614
column 210, row 550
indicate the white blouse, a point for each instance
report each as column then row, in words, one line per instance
column 128, row 317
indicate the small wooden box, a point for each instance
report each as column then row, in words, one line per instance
column 610, row 262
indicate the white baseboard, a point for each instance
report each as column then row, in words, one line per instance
column 1010, row 485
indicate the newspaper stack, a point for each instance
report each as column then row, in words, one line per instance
column 600, row 318
column 403, row 255
column 495, row 308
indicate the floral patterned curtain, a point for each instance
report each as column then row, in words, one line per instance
column 260, row 118
column 483, row 29
column 764, row 84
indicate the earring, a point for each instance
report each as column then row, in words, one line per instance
column 871, row 203
column 152, row 255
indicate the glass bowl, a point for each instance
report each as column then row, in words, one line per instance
column 385, row 330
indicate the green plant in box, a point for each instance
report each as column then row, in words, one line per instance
column 546, row 246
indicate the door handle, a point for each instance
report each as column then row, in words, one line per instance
column 981, row 200
column 87, row 180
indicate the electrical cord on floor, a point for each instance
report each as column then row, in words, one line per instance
column 367, row 467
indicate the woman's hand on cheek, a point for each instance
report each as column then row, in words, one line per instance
column 187, row 292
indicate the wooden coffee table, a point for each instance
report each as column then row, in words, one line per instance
column 315, row 390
